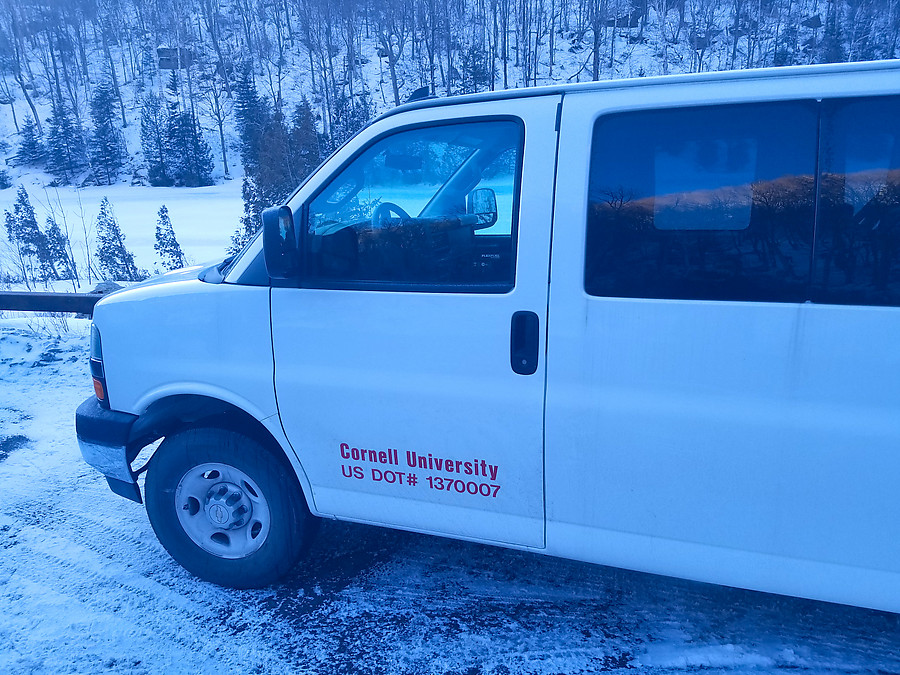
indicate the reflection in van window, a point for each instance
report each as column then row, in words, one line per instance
column 432, row 205
column 704, row 184
column 858, row 234
column 711, row 203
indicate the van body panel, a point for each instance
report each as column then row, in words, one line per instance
column 419, row 376
column 752, row 444
column 188, row 337
column 726, row 566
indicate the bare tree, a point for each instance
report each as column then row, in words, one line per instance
column 392, row 20
column 21, row 64
column 218, row 107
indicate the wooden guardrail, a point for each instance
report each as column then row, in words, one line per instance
column 22, row 301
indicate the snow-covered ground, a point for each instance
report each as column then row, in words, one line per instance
column 86, row 588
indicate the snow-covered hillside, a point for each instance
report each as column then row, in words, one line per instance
column 348, row 61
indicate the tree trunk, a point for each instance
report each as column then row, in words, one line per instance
column 220, row 121
column 505, row 46
column 12, row 107
column 612, row 44
column 735, row 38
column 112, row 73
column 392, row 66
column 552, row 35
column 37, row 120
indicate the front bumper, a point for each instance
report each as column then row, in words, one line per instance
column 103, row 438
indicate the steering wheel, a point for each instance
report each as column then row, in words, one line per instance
column 384, row 210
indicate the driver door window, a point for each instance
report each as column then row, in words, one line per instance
column 431, row 206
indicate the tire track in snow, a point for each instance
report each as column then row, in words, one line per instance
column 149, row 616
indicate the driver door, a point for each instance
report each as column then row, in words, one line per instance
column 409, row 364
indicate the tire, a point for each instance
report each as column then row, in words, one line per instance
column 225, row 508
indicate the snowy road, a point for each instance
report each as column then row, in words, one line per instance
column 86, row 588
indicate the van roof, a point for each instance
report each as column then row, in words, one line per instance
column 892, row 65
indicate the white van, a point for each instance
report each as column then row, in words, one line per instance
column 650, row 323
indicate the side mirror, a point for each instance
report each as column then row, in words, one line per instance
column 482, row 203
column 281, row 252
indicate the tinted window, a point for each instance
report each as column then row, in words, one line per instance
column 858, row 231
column 712, row 203
column 422, row 207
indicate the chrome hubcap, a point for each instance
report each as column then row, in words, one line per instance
column 222, row 510
column 227, row 506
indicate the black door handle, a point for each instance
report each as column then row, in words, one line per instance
column 524, row 339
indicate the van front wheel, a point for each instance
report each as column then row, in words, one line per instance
column 225, row 508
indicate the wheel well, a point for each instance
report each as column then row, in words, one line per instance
column 170, row 415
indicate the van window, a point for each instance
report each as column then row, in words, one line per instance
column 858, row 232
column 708, row 203
column 423, row 207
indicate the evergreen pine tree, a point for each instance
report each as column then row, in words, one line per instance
column 31, row 148
column 192, row 162
column 275, row 177
column 476, row 70
column 58, row 250
column 172, row 98
column 304, row 141
column 107, row 142
column 116, row 262
column 30, row 245
column 349, row 116
column 263, row 153
column 786, row 47
column 166, row 246
column 252, row 114
column 250, row 221
column 276, row 156
column 66, row 152
column 20, row 256
column 147, row 68
column 155, row 141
